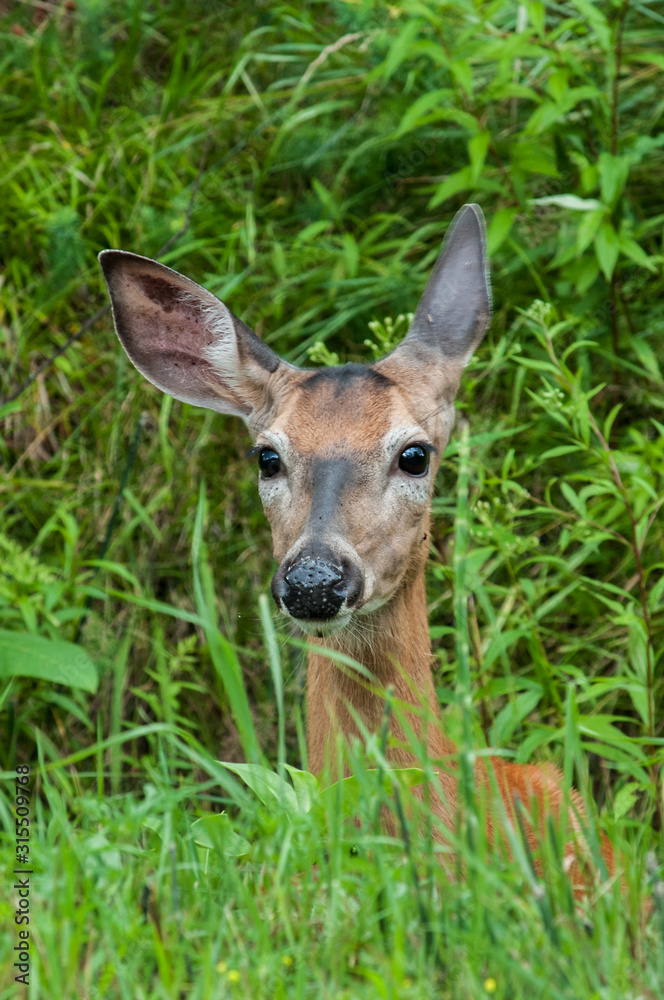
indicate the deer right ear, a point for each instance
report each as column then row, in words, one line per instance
column 183, row 339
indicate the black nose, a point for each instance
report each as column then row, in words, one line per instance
column 315, row 585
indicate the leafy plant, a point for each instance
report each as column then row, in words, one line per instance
column 303, row 163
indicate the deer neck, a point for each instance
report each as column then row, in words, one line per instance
column 395, row 648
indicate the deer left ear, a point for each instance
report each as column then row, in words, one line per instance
column 183, row 339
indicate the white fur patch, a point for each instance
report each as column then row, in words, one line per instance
column 222, row 353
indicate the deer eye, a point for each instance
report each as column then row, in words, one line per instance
column 269, row 463
column 414, row 460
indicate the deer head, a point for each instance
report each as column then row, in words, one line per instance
column 347, row 455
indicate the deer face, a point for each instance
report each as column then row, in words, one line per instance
column 347, row 455
column 347, row 469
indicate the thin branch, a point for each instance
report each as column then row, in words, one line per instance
column 322, row 56
column 615, row 123
column 56, row 354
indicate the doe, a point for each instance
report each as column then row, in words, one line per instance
column 347, row 459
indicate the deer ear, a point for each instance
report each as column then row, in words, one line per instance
column 183, row 339
column 455, row 309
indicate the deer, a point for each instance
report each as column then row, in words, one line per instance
column 347, row 459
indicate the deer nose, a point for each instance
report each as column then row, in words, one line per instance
column 316, row 586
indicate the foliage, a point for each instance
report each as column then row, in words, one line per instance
column 302, row 162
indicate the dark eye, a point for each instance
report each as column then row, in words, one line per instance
column 269, row 463
column 414, row 460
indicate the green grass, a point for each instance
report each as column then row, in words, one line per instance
column 309, row 183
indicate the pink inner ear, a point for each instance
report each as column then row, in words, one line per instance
column 164, row 323
column 163, row 293
column 169, row 322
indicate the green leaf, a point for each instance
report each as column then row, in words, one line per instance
column 420, row 110
column 636, row 253
column 297, row 118
column 557, row 83
column 326, row 199
column 625, row 755
column 537, row 14
column 486, row 437
column 655, row 58
column 656, row 595
column 557, row 598
column 533, row 157
column 600, row 727
column 551, row 112
column 538, row 366
column 8, row 408
column 265, row 784
column 310, row 232
column 646, row 356
column 462, row 180
column 570, row 201
column 593, row 16
column 400, row 48
column 562, row 449
column 54, row 660
column 511, row 716
column 637, row 648
column 462, row 71
column 625, row 799
column 477, row 150
column 215, row 832
column 499, row 228
column 607, row 249
column 116, row 568
column 587, row 228
column 160, row 607
column 584, row 273
column 350, row 790
column 613, row 173
column 546, row 115
column 306, row 787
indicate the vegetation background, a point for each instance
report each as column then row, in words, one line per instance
column 302, row 162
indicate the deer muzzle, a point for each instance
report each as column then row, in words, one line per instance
column 317, row 585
